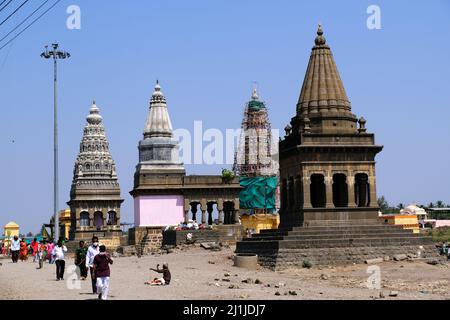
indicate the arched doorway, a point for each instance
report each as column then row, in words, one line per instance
column 362, row 190
column 98, row 220
column 318, row 191
column 340, row 190
column 228, row 211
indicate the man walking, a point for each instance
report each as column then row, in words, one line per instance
column 92, row 251
column 15, row 248
column 58, row 254
column 102, row 272
column 80, row 259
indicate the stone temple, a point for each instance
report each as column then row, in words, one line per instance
column 95, row 193
column 329, row 210
column 165, row 196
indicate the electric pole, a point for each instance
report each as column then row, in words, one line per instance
column 55, row 54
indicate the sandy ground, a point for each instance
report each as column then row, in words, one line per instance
column 199, row 274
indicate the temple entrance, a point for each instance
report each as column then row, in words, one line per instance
column 318, row 191
column 210, row 210
column 228, row 210
column 340, row 191
column 362, row 190
column 194, row 209
column 98, row 220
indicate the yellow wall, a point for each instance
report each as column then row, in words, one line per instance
column 64, row 219
column 10, row 230
column 259, row 222
column 407, row 221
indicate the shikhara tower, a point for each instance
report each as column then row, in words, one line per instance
column 329, row 210
column 253, row 162
column 158, row 198
column 327, row 161
column 95, row 194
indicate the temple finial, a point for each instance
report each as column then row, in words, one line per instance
column 320, row 39
column 255, row 94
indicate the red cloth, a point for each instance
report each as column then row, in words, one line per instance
column 34, row 246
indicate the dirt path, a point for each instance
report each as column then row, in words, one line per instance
column 198, row 274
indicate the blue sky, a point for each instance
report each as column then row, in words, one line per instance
column 207, row 55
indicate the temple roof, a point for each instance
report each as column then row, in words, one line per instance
column 94, row 163
column 158, row 121
column 11, row 224
column 323, row 94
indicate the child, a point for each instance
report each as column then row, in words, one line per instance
column 165, row 280
column 102, row 272
column 42, row 253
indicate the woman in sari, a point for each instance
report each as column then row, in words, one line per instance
column 23, row 253
column 50, row 247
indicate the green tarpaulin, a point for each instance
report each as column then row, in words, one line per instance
column 258, row 193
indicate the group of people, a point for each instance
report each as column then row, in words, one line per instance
column 19, row 249
column 93, row 259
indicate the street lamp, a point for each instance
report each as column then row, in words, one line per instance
column 55, row 54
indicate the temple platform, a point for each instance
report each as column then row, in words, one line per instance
column 334, row 243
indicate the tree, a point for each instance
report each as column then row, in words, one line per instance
column 440, row 204
column 383, row 204
column 400, row 206
column 29, row 234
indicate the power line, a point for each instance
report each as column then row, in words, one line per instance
column 1, row 9
column 29, row 25
column 2, row 2
column 14, row 12
column 24, row 20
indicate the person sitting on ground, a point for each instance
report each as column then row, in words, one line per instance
column 165, row 280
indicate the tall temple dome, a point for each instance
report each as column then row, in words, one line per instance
column 327, row 162
column 95, row 193
column 329, row 209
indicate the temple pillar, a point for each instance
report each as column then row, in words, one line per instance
column 236, row 216
column 351, row 191
column 91, row 219
column 186, row 216
column 77, row 219
column 236, row 206
column 220, row 209
column 221, row 217
column 372, row 192
column 187, row 206
column 203, row 208
column 306, row 183
column 329, row 191
column 203, row 216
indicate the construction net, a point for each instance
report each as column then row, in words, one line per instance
column 258, row 193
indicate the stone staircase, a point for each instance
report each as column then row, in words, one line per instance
column 334, row 243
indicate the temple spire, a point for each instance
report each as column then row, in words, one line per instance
column 323, row 99
column 158, row 121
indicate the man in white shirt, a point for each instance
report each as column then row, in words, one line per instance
column 92, row 251
column 58, row 253
column 15, row 247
